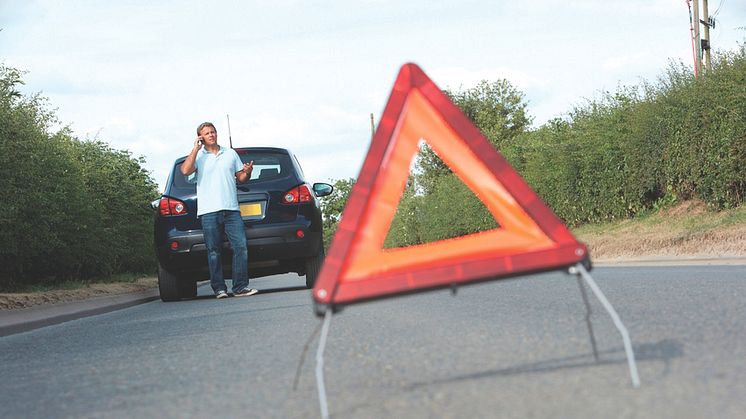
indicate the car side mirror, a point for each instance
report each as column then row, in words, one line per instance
column 322, row 189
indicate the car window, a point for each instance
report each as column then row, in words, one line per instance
column 266, row 166
column 183, row 182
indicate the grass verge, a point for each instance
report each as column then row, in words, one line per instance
column 687, row 229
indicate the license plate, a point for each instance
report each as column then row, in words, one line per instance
column 251, row 210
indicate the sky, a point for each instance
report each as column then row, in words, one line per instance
column 140, row 75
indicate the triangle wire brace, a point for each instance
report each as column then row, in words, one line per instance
column 580, row 270
column 588, row 314
column 320, row 365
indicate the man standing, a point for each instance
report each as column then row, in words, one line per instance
column 218, row 168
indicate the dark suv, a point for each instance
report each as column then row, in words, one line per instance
column 279, row 208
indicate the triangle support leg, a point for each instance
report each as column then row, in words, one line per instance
column 320, row 365
column 582, row 272
column 588, row 322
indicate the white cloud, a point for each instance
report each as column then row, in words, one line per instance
column 143, row 75
column 619, row 62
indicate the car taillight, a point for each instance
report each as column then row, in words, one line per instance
column 170, row 206
column 299, row 194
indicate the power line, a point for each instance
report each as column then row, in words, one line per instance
column 718, row 10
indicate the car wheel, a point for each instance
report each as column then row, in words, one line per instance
column 171, row 288
column 313, row 266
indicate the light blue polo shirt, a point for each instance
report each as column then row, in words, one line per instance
column 216, row 180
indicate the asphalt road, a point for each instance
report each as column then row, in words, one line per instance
column 506, row 349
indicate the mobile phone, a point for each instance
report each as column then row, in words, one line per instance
column 201, row 140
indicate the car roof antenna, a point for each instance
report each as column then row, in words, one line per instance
column 230, row 139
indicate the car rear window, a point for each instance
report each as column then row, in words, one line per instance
column 267, row 166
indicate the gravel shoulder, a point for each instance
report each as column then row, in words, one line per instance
column 12, row 301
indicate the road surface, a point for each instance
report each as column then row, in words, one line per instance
column 506, row 349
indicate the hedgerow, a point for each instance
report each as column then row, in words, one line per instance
column 628, row 152
column 71, row 209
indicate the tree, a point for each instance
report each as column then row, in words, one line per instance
column 332, row 207
column 71, row 209
column 499, row 111
column 426, row 212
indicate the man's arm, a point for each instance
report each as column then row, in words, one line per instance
column 244, row 174
column 189, row 166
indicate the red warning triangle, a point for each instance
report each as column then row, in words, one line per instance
column 529, row 238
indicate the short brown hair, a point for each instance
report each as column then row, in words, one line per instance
column 206, row 124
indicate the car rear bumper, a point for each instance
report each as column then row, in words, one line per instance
column 272, row 248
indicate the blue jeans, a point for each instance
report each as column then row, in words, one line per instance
column 213, row 226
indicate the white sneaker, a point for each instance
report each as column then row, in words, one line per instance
column 221, row 294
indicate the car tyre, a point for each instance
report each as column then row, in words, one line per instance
column 171, row 289
column 313, row 266
column 188, row 289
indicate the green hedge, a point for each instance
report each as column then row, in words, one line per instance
column 71, row 209
column 626, row 153
column 645, row 145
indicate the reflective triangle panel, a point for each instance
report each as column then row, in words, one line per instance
column 530, row 238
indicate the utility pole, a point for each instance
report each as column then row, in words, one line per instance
column 697, row 42
column 691, row 38
column 706, row 39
